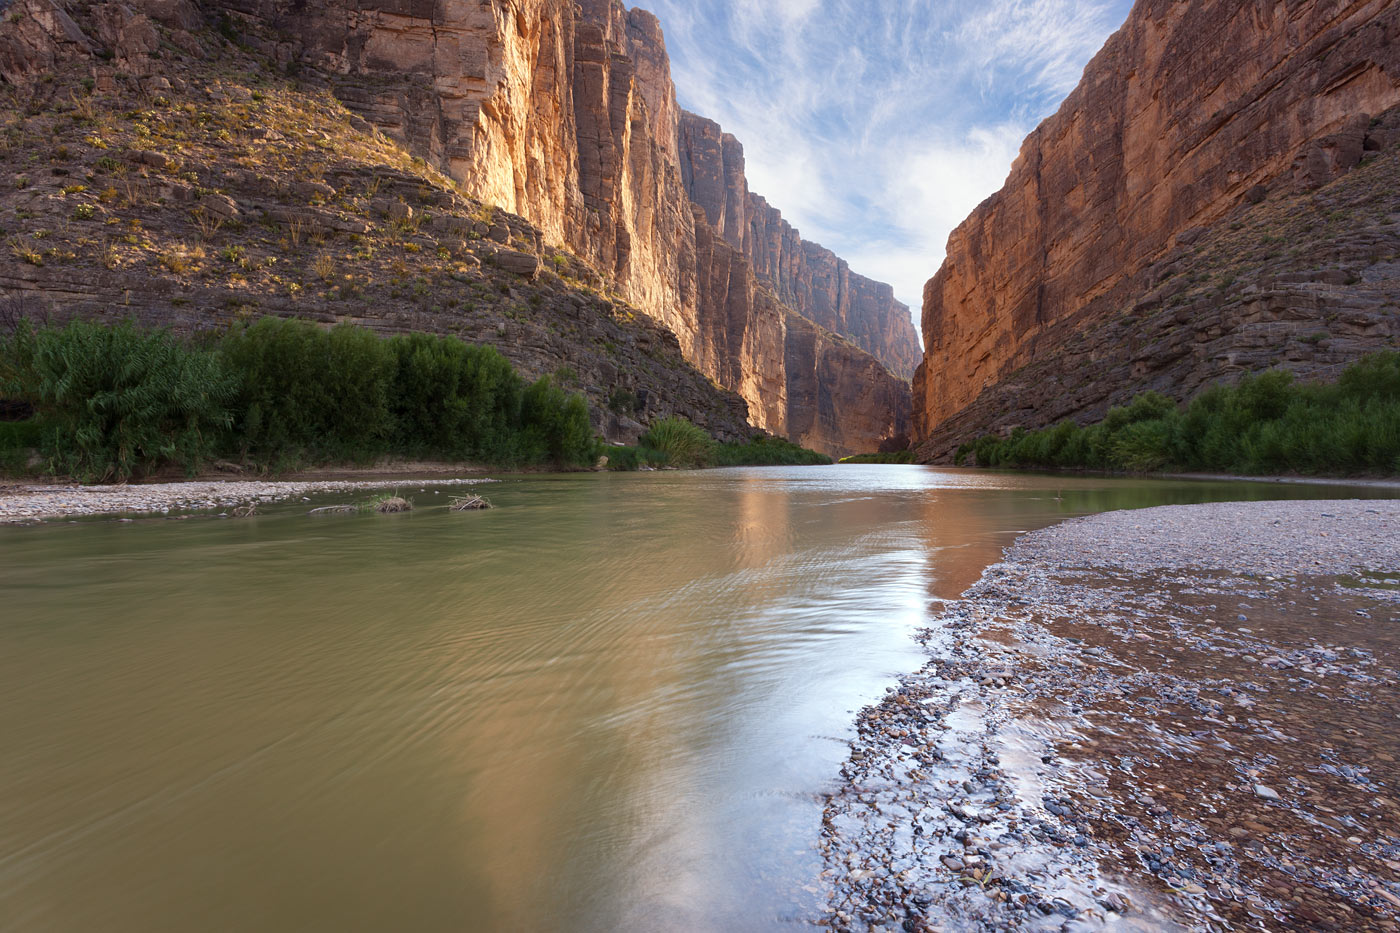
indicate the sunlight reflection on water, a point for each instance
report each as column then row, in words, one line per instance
column 612, row 702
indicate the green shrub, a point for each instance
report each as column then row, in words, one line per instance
column 622, row 401
column 898, row 456
column 764, row 450
column 343, row 394
column 628, row 459
column 306, row 393
column 21, row 435
column 554, row 426
column 17, row 440
column 118, row 402
column 1266, row 424
column 683, row 444
column 454, row 399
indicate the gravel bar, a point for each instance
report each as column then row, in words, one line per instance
column 1291, row 537
column 37, row 503
column 1179, row 718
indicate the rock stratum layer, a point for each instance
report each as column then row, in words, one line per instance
column 1183, row 218
column 565, row 114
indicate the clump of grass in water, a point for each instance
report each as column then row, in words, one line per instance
column 388, row 504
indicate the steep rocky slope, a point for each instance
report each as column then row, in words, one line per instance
column 228, row 193
column 1179, row 220
column 562, row 114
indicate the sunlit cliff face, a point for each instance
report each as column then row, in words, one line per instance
column 569, row 117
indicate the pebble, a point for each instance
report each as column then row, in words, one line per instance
column 1082, row 821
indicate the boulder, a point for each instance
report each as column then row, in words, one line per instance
column 522, row 264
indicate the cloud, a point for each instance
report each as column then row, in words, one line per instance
column 875, row 127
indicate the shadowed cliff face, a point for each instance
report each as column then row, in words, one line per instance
column 1192, row 113
column 565, row 114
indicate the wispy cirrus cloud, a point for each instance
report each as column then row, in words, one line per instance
column 877, row 125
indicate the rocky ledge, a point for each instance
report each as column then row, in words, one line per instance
column 1176, row 718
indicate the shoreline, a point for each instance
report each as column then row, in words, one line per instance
column 1361, row 482
column 28, row 502
column 1174, row 718
column 37, row 503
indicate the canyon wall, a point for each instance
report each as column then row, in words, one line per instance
column 1196, row 114
column 565, row 114
column 811, row 279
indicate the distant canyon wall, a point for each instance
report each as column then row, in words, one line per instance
column 1194, row 110
column 564, row 113
column 811, row 279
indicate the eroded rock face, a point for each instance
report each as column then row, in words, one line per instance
column 1192, row 111
column 811, row 279
column 833, row 387
column 565, row 114
column 39, row 34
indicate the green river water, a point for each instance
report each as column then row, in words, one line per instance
column 612, row 703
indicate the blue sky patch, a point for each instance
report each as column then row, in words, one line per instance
column 876, row 126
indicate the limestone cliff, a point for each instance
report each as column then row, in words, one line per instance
column 565, row 114
column 1198, row 120
column 811, row 279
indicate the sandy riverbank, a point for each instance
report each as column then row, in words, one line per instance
column 29, row 503
column 1176, row 718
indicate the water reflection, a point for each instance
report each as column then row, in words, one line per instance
column 610, row 703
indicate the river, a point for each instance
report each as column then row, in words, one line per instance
column 614, row 702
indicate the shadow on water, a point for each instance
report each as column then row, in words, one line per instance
column 612, row 702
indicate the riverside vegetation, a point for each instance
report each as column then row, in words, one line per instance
column 121, row 402
column 116, row 402
column 1267, row 424
column 675, row 442
column 893, row 456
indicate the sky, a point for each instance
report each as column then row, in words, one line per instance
column 876, row 126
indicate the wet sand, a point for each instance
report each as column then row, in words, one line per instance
column 1175, row 718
